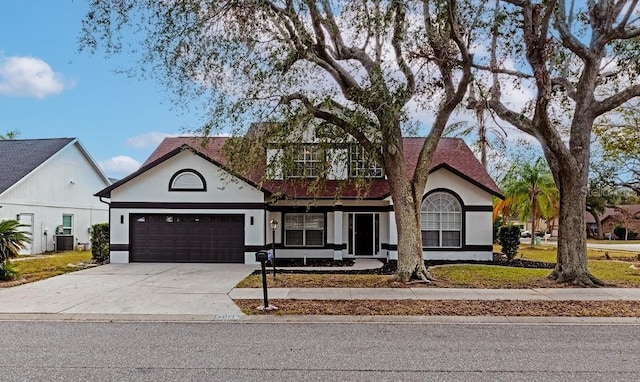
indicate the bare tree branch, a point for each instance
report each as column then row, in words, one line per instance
column 513, row 73
column 568, row 39
column 610, row 103
column 399, row 35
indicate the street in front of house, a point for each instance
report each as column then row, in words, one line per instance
column 246, row 351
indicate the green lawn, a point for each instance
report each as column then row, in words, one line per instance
column 616, row 270
column 49, row 265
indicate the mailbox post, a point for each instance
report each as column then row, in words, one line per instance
column 274, row 224
column 262, row 257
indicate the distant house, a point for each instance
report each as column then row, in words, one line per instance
column 626, row 215
column 48, row 185
column 185, row 205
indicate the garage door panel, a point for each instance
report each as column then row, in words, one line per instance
column 187, row 238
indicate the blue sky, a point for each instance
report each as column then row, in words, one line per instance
column 50, row 89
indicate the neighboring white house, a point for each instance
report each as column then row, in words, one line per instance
column 183, row 205
column 48, row 185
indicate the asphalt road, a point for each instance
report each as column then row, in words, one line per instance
column 77, row 351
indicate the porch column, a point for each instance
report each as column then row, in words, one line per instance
column 392, row 252
column 337, row 233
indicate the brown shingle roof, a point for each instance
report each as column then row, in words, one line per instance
column 451, row 153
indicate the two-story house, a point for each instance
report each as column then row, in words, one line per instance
column 185, row 205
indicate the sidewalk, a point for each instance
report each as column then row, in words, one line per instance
column 558, row 294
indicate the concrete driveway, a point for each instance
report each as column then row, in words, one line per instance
column 132, row 289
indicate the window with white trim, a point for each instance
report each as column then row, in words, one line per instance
column 187, row 180
column 306, row 162
column 441, row 221
column 362, row 166
column 304, row 230
column 67, row 224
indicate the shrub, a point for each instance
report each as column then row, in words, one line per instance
column 7, row 271
column 509, row 236
column 497, row 223
column 621, row 231
column 100, row 242
column 12, row 240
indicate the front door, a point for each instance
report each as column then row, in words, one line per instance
column 364, row 234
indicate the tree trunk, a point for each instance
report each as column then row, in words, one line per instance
column 599, row 234
column 533, row 221
column 571, row 266
column 410, row 256
column 406, row 203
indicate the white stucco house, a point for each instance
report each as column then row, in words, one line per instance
column 48, row 185
column 184, row 205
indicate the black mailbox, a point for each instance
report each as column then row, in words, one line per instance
column 262, row 256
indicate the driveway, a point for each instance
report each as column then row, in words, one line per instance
column 132, row 289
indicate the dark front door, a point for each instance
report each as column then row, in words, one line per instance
column 364, row 234
column 186, row 238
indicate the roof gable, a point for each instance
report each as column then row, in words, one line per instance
column 20, row 157
column 165, row 152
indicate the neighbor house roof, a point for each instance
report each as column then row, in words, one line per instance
column 452, row 154
column 613, row 213
column 20, row 157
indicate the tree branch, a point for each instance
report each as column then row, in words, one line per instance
column 610, row 103
column 332, row 118
column 399, row 34
column 567, row 38
column 509, row 72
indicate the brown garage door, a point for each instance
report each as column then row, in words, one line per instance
column 187, row 238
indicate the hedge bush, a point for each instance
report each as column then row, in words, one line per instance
column 620, row 232
column 100, row 242
column 509, row 236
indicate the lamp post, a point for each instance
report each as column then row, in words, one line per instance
column 274, row 224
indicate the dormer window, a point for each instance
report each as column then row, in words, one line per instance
column 306, row 162
column 187, row 180
column 362, row 166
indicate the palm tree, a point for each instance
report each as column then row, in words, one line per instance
column 10, row 135
column 12, row 240
column 533, row 192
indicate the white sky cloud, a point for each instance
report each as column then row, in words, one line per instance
column 151, row 139
column 23, row 76
column 120, row 164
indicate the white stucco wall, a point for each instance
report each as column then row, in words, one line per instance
column 64, row 184
column 478, row 224
column 468, row 192
column 153, row 186
column 479, row 227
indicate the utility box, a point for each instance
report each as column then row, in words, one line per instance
column 64, row 243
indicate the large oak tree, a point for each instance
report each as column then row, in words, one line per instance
column 361, row 67
column 582, row 59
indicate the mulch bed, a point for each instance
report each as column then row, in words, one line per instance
column 389, row 267
column 447, row 308
column 12, row 283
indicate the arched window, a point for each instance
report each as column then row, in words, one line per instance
column 187, row 180
column 441, row 221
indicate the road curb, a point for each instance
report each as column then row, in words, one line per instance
column 318, row 319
